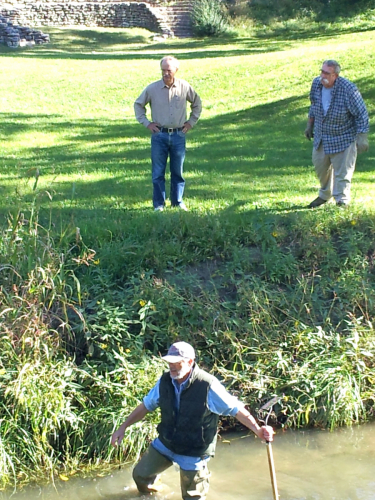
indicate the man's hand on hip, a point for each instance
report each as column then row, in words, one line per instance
column 186, row 127
column 153, row 127
column 362, row 143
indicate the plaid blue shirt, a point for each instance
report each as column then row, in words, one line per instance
column 346, row 116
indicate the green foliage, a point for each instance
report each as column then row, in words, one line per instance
column 269, row 11
column 55, row 416
column 325, row 378
column 272, row 304
column 106, row 327
column 94, row 285
column 209, row 18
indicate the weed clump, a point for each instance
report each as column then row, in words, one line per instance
column 271, row 306
column 209, row 18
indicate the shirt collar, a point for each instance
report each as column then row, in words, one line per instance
column 181, row 387
column 335, row 87
column 163, row 85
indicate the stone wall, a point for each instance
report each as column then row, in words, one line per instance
column 19, row 36
column 93, row 14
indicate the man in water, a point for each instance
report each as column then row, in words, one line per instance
column 338, row 121
column 190, row 401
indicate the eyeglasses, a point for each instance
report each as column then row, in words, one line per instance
column 327, row 73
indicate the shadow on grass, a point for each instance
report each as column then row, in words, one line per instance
column 255, row 159
column 227, row 155
column 82, row 48
column 116, row 44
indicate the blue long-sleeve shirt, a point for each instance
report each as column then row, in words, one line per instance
column 219, row 401
column 346, row 116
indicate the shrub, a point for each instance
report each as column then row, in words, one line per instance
column 209, row 18
column 270, row 11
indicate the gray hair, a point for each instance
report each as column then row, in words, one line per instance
column 171, row 59
column 333, row 64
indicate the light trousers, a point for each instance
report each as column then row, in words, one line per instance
column 335, row 172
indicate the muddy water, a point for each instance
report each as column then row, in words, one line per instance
column 310, row 465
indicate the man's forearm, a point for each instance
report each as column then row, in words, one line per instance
column 140, row 113
column 136, row 415
column 196, row 109
column 248, row 421
column 265, row 432
column 309, row 131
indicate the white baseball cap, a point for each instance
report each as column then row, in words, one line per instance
column 179, row 351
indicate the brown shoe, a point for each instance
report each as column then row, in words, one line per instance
column 317, row 202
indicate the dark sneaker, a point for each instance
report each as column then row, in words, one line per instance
column 317, row 202
column 341, row 204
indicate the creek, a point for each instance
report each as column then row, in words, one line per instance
column 310, row 465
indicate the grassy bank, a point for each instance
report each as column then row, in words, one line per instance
column 276, row 299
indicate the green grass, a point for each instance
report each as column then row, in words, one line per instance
column 69, row 113
column 277, row 299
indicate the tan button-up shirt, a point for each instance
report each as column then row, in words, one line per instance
column 168, row 104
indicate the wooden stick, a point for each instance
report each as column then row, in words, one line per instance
column 272, row 471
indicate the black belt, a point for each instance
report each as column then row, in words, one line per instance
column 170, row 130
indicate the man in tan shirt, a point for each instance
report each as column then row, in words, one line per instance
column 168, row 99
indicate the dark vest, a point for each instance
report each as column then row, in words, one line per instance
column 192, row 429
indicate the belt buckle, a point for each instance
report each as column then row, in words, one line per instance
column 170, row 131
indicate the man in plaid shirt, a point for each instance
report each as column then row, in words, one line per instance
column 338, row 121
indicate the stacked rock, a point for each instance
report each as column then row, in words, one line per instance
column 20, row 36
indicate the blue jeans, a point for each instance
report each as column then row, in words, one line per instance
column 162, row 145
